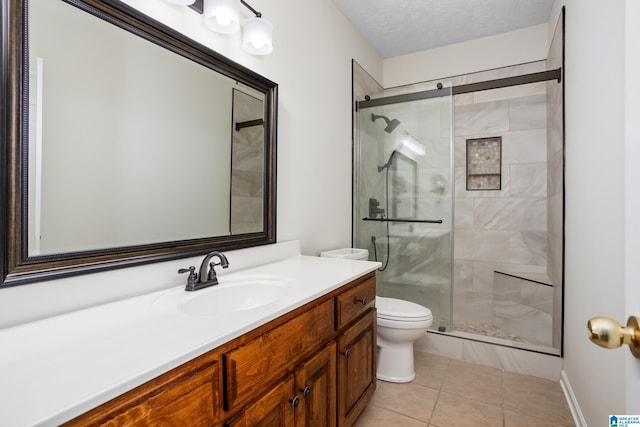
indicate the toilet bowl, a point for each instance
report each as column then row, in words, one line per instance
column 400, row 323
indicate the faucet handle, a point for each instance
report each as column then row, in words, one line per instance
column 212, row 273
column 193, row 276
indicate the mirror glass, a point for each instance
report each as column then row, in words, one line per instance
column 136, row 144
column 130, row 143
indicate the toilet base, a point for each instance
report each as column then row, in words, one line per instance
column 395, row 363
column 394, row 379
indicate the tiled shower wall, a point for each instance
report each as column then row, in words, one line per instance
column 501, row 230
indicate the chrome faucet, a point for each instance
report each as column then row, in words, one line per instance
column 204, row 278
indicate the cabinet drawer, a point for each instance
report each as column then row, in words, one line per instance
column 352, row 302
column 251, row 367
column 180, row 397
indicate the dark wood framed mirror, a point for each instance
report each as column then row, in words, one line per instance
column 61, row 213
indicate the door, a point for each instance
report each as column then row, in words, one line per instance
column 404, row 186
column 356, row 368
column 632, row 195
column 274, row 409
column 316, row 386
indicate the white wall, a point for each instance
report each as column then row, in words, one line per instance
column 314, row 45
column 594, row 227
column 515, row 47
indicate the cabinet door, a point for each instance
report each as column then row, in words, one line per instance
column 188, row 395
column 356, row 368
column 274, row 409
column 316, row 386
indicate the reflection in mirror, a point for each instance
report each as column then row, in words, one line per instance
column 247, row 163
column 123, row 143
column 404, row 189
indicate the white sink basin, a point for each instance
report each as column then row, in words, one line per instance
column 231, row 295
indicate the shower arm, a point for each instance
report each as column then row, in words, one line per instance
column 425, row 221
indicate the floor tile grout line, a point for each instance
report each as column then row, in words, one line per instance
column 401, row 414
column 441, row 383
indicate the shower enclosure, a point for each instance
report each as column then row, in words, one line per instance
column 404, row 197
column 458, row 193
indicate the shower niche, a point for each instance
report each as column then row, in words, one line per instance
column 484, row 164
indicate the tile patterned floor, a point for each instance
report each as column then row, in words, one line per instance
column 452, row 393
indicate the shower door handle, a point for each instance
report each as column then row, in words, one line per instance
column 427, row 221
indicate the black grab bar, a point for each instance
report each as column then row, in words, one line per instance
column 428, row 221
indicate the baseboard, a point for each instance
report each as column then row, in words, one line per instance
column 576, row 412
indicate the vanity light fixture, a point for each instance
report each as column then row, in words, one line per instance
column 257, row 36
column 223, row 16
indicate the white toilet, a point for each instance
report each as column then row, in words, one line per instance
column 400, row 323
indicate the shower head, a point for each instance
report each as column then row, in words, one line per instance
column 391, row 123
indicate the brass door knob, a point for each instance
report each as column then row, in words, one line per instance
column 608, row 333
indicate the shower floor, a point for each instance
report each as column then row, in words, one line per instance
column 483, row 329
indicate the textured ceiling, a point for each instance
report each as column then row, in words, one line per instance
column 398, row 27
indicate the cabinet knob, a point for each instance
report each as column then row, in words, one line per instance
column 362, row 300
column 294, row 402
column 306, row 391
column 346, row 353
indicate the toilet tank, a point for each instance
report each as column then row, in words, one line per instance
column 347, row 253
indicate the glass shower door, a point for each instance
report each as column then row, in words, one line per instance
column 404, row 191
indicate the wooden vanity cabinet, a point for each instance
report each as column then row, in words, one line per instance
column 312, row 367
column 305, row 398
column 189, row 395
column 267, row 357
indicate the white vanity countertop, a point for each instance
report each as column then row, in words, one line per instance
column 58, row 368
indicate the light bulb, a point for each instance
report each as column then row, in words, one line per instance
column 222, row 16
column 223, row 19
column 257, row 36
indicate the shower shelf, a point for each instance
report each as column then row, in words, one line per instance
column 428, row 221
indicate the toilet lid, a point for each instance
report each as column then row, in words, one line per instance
column 396, row 309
